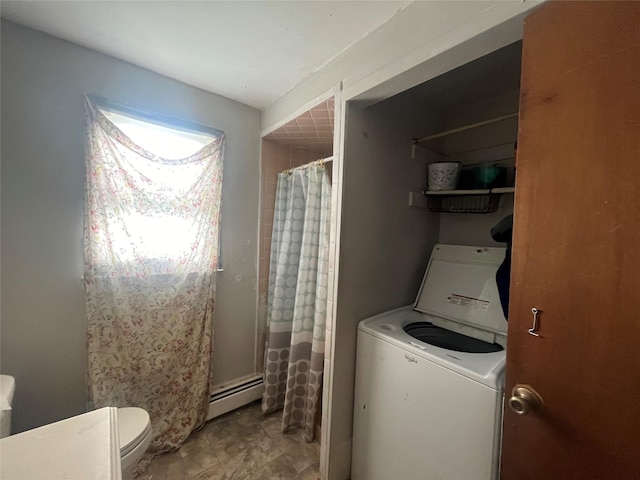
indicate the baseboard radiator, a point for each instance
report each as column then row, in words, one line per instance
column 235, row 396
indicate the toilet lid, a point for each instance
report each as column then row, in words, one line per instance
column 133, row 425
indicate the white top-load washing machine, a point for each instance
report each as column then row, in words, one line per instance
column 429, row 378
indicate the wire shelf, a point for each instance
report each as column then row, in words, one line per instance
column 483, row 203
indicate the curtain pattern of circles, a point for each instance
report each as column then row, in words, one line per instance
column 297, row 299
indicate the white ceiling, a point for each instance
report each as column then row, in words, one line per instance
column 249, row 51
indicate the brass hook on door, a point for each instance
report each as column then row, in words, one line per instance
column 533, row 330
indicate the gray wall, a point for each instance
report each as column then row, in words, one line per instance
column 384, row 247
column 469, row 228
column 43, row 314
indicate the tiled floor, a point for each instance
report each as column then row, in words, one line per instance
column 241, row 445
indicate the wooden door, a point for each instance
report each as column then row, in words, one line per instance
column 576, row 251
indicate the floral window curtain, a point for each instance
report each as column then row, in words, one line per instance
column 297, row 301
column 151, row 253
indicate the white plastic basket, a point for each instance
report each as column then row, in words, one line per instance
column 443, row 176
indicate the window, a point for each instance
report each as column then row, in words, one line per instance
column 154, row 193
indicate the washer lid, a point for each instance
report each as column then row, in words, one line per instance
column 133, row 424
column 460, row 285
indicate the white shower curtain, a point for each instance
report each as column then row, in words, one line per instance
column 151, row 253
column 297, row 299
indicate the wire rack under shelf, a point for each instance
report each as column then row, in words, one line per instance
column 482, row 203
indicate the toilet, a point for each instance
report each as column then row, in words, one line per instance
column 134, row 430
column 7, row 389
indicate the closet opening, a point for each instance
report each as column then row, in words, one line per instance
column 385, row 211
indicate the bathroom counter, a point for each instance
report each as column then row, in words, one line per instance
column 82, row 447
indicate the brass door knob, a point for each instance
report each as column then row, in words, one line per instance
column 524, row 399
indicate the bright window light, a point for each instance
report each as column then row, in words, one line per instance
column 157, row 235
column 162, row 141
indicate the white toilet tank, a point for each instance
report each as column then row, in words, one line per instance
column 7, row 388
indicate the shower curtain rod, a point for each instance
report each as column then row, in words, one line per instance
column 319, row 162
